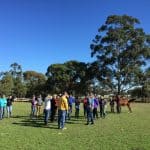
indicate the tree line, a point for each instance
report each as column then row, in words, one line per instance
column 121, row 50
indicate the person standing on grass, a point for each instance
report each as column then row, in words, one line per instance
column 39, row 105
column 90, row 107
column 70, row 102
column 96, row 103
column 3, row 105
column 53, row 107
column 77, row 107
column 10, row 100
column 112, row 104
column 33, row 106
column 85, row 106
column 102, row 104
column 47, row 108
column 63, row 108
column 118, row 106
column 1, row 101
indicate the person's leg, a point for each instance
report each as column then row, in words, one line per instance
column 63, row 119
column 101, row 111
column 96, row 113
column 37, row 111
column 78, row 113
column 59, row 119
column 47, row 112
column 1, row 113
column 10, row 110
column 91, row 114
column 88, row 116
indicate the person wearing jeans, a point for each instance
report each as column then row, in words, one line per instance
column 1, row 108
column 9, row 106
column 47, row 108
column 62, row 109
column 90, row 107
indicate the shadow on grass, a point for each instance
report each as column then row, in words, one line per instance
column 38, row 122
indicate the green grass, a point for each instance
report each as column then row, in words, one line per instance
column 125, row 131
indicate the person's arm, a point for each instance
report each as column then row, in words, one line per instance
column 66, row 103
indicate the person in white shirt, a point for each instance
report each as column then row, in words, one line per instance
column 47, row 108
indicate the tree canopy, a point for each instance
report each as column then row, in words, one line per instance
column 121, row 48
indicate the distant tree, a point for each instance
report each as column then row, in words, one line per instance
column 35, row 82
column 6, row 84
column 121, row 49
column 16, row 70
column 68, row 76
column 58, row 78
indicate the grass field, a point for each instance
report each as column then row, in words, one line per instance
column 125, row 131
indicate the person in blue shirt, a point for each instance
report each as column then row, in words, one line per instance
column 70, row 103
column 1, row 107
column 3, row 104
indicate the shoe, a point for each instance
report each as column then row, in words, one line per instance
column 87, row 124
column 64, row 128
column 92, row 123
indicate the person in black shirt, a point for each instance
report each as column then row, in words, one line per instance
column 10, row 100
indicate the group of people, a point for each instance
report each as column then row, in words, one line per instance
column 6, row 106
column 63, row 106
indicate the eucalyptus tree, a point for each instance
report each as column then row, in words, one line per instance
column 121, row 48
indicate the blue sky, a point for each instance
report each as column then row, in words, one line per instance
column 37, row 33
